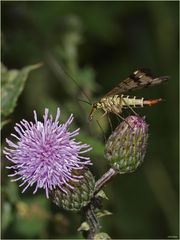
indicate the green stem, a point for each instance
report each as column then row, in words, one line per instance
column 107, row 177
column 92, row 220
column 90, row 214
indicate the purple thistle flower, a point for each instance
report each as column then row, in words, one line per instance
column 46, row 154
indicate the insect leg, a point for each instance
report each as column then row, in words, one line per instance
column 102, row 131
column 110, row 123
column 118, row 119
column 104, row 114
column 124, row 120
column 120, row 116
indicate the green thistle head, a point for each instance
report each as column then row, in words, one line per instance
column 79, row 195
column 126, row 146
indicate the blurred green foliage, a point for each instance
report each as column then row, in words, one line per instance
column 97, row 44
column 12, row 85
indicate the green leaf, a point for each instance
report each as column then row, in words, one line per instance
column 6, row 215
column 102, row 194
column 13, row 82
column 102, row 236
column 87, row 79
column 103, row 213
column 84, row 227
column 32, row 216
column 12, row 192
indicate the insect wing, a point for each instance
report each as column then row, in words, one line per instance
column 139, row 79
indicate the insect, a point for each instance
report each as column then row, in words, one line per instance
column 114, row 101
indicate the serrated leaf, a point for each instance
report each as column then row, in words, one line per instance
column 84, row 227
column 102, row 194
column 103, row 213
column 13, row 82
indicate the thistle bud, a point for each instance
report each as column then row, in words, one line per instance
column 126, row 146
column 78, row 195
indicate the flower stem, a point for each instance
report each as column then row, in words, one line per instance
column 90, row 209
column 92, row 220
column 107, row 177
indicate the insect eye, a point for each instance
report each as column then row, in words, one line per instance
column 95, row 105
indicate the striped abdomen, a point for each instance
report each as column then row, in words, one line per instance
column 116, row 103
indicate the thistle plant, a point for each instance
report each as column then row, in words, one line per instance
column 47, row 155
column 126, row 147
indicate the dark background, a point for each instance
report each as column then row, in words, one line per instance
column 98, row 44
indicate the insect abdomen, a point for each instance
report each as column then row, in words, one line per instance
column 132, row 101
column 116, row 103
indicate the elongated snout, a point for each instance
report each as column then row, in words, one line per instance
column 94, row 108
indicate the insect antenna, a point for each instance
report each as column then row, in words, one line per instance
column 84, row 101
column 75, row 82
column 110, row 123
column 102, row 131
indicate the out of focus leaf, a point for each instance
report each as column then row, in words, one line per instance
column 3, row 68
column 13, row 82
column 87, row 79
column 29, row 227
column 6, row 215
column 32, row 217
column 12, row 192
